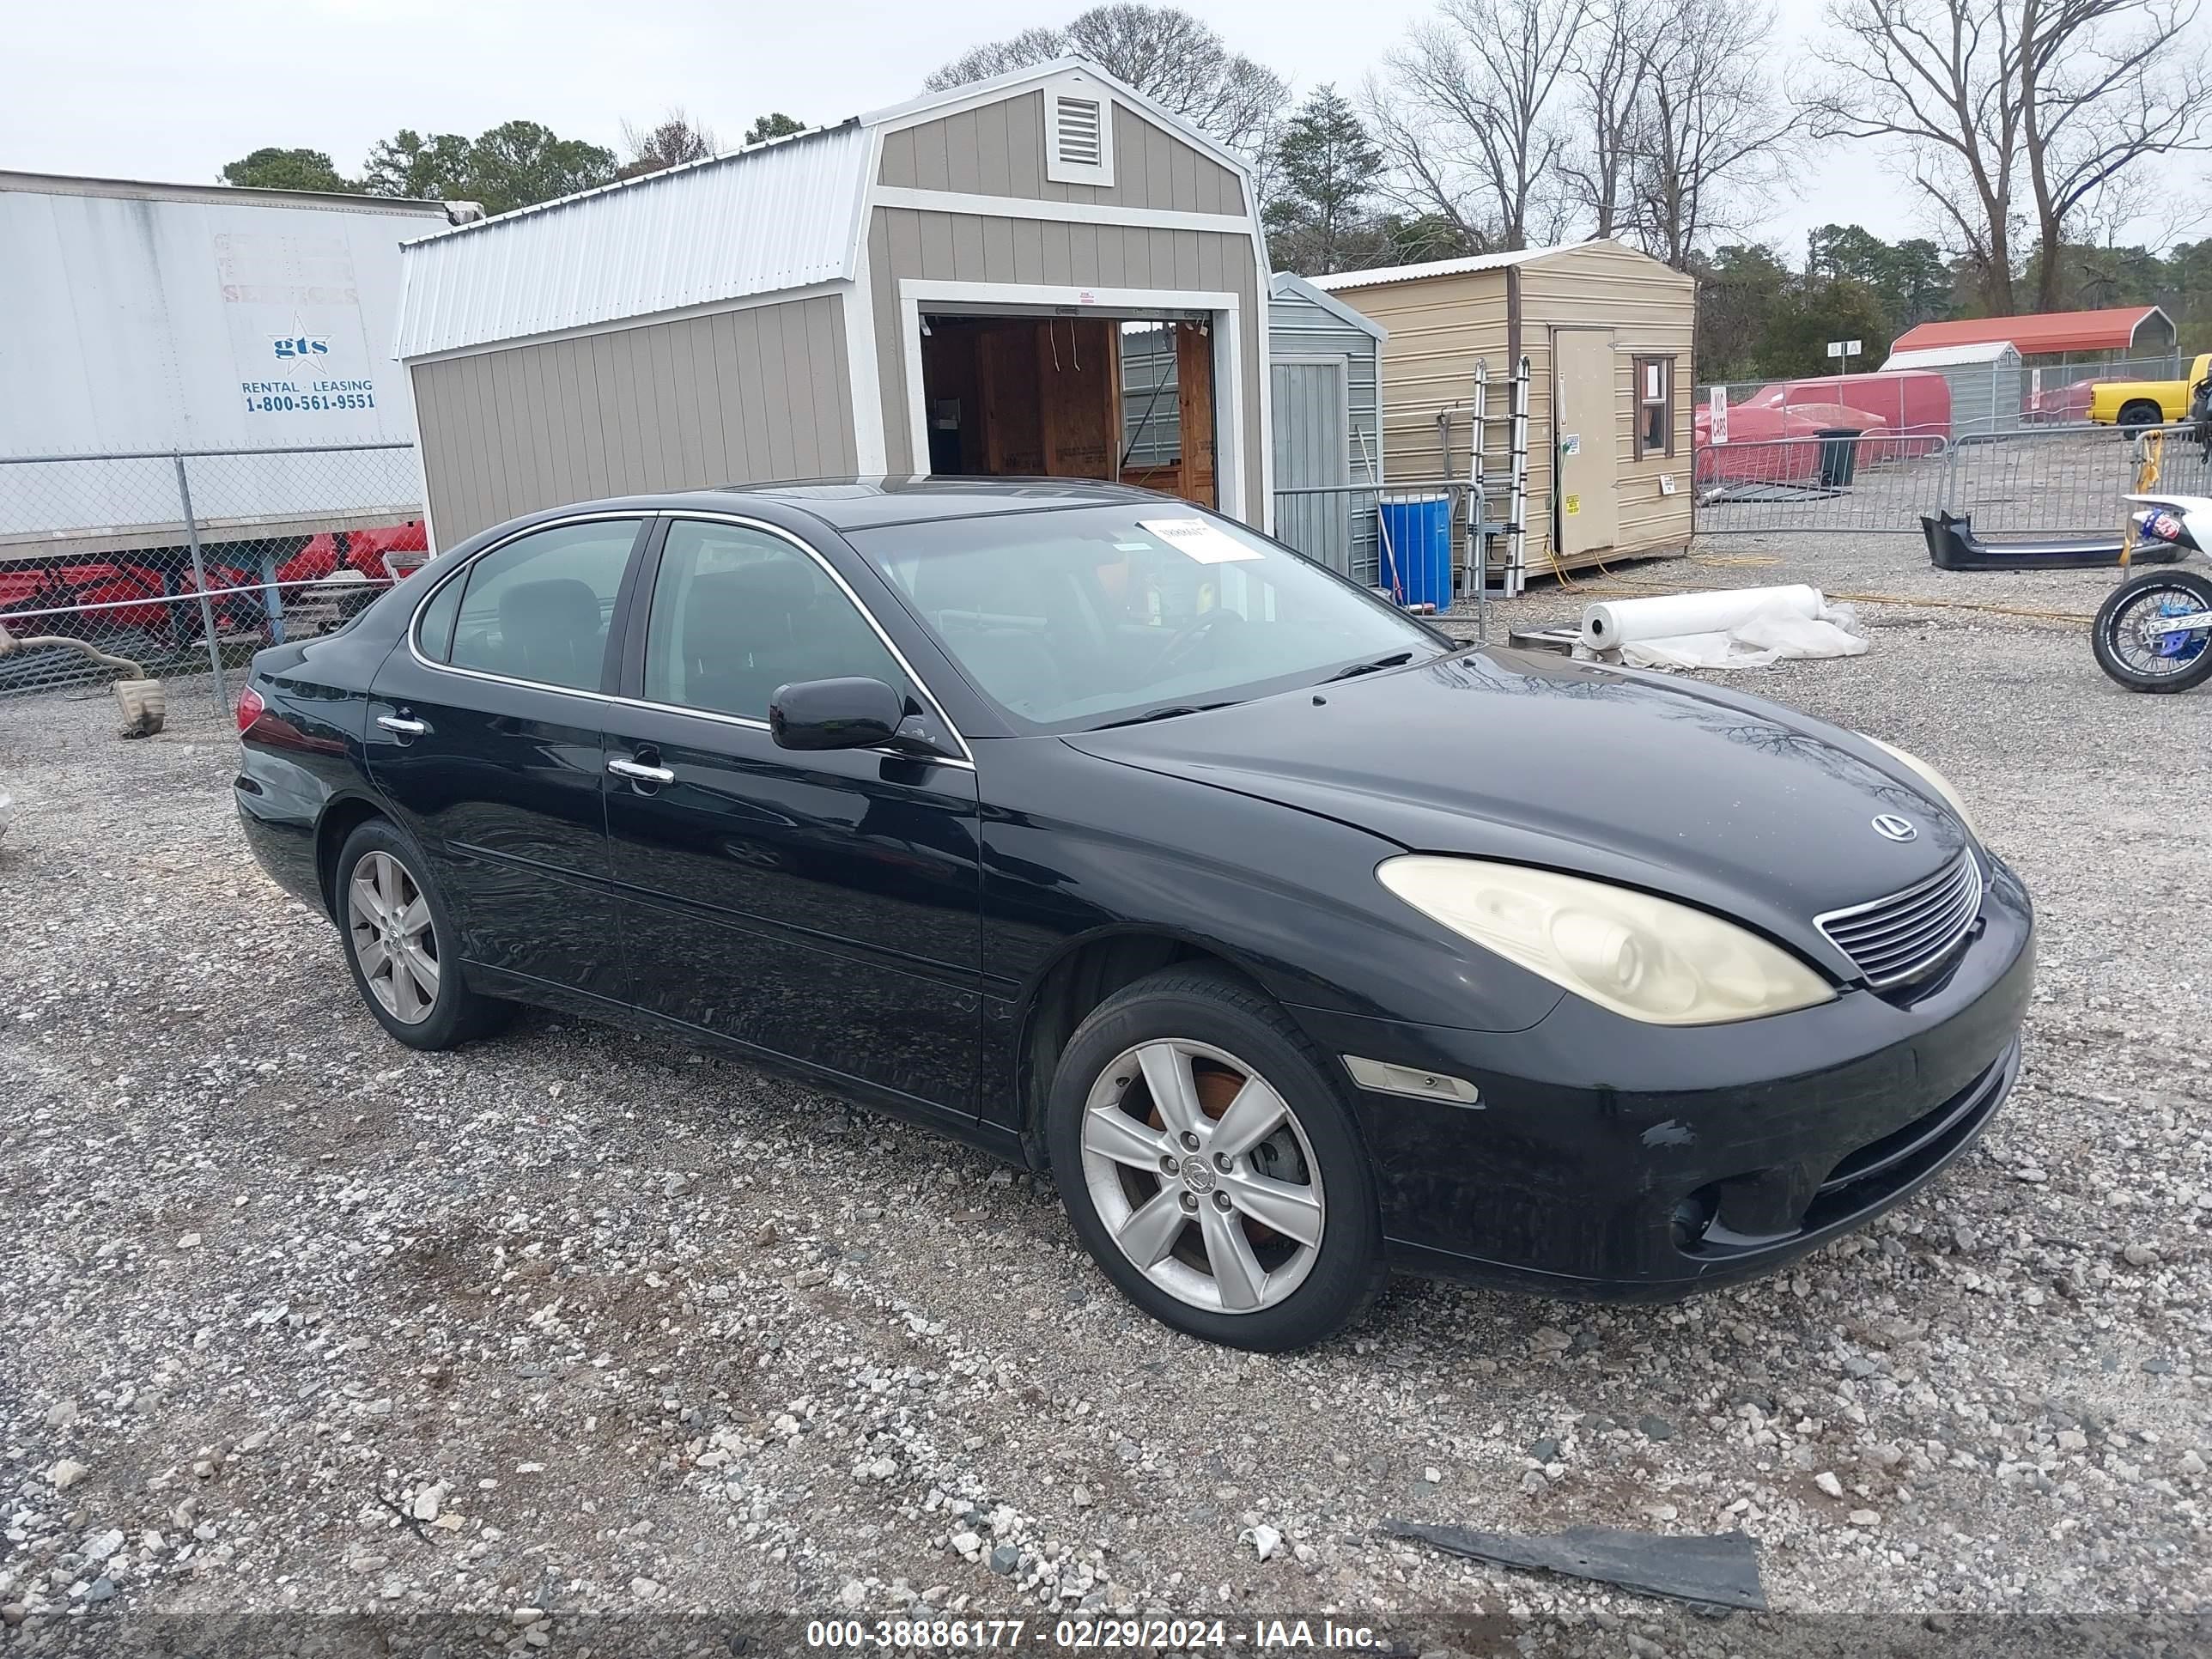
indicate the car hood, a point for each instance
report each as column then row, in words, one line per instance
column 1727, row 801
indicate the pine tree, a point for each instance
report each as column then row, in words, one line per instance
column 1325, row 171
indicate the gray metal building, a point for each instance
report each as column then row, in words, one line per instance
column 1988, row 384
column 1325, row 392
column 944, row 286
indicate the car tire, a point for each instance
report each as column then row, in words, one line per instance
column 1121, row 1160
column 2139, row 418
column 397, row 937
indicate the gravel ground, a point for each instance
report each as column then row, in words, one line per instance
column 293, row 1319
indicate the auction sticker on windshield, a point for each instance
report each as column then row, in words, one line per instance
column 1199, row 540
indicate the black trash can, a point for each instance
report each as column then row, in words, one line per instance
column 1839, row 456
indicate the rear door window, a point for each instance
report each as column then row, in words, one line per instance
column 433, row 623
column 538, row 607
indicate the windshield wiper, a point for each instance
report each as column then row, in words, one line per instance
column 1391, row 661
column 1168, row 713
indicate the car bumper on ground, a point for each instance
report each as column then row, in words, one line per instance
column 1610, row 1159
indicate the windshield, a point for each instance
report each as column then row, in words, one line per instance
column 1070, row 620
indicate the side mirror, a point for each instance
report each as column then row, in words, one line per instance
column 839, row 713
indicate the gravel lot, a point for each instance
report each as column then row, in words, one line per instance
column 293, row 1319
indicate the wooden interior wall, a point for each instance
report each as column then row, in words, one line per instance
column 1010, row 426
column 1042, row 396
column 1194, row 404
column 1078, row 374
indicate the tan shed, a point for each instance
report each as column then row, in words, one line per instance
column 1606, row 331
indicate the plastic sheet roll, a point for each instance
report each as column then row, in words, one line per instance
column 1616, row 622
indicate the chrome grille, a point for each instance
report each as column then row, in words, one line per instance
column 1908, row 934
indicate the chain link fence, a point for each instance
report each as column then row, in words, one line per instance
column 176, row 563
column 2032, row 481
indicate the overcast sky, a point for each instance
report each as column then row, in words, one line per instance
column 156, row 89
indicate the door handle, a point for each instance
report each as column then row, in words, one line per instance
column 639, row 772
column 405, row 728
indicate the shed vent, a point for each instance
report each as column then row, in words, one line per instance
column 1077, row 132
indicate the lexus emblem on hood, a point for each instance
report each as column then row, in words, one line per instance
column 1895, row 828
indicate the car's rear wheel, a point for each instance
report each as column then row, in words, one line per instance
column 2140, row 416
column 1212, row 1167
column 399, row 943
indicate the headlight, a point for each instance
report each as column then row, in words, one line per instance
column 1646, row 958
column 1934, row 779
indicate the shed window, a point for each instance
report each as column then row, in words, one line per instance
column 1655, row 406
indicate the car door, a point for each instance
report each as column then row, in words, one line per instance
column 484, row 735
column 824, row 906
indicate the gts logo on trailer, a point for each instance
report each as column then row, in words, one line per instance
column 288, row 346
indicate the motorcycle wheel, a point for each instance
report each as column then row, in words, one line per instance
column 2142, row 660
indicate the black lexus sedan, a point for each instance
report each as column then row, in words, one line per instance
column 1296, row 940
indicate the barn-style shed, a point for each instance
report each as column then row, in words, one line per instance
column 1608, row 333
column 944, row 286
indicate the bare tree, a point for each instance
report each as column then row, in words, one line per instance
column 1468, row 117
column 1939, row 79
column 1017, row 52
column 1612, row 63
column 2103, row 84
column 2013, row 109
column 670, row 141
column 1706, row 136
column 1163, row 52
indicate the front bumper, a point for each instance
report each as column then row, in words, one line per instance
column 1612, row 1159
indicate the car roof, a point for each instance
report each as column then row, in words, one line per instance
column 864, row 503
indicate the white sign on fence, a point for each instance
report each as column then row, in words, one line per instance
column 1845, row 348
column 1717, row 403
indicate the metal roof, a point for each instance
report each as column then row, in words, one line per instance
column 1288, row 284
column 2113, row 330
column 1954, row 356
column 1466, row 267
column 786, row 213
column 145, row 190
column 781, row 215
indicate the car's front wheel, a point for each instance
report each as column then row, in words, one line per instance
column 1210, row 1165
column 399, row 943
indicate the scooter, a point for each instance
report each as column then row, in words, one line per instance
column 2153, row 632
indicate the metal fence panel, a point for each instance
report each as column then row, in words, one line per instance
column 1340, row 525
column 2061, row 481
column 188, row 562
column 1860, row 483
column 2033, row 481
column 2045, row 377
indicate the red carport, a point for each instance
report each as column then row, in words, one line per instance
column 2123, row 331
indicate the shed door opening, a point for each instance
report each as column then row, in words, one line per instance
column 1071, row 398
column 1586, row 421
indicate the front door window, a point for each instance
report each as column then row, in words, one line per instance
column 737, row 612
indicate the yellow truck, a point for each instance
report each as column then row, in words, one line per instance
column 2134, row 405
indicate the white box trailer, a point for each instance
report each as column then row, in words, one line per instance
column 144, row 319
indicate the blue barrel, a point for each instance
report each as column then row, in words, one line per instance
column 1417, row 533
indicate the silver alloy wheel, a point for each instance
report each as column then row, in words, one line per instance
column 1203, row 1174
column 388, row 923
